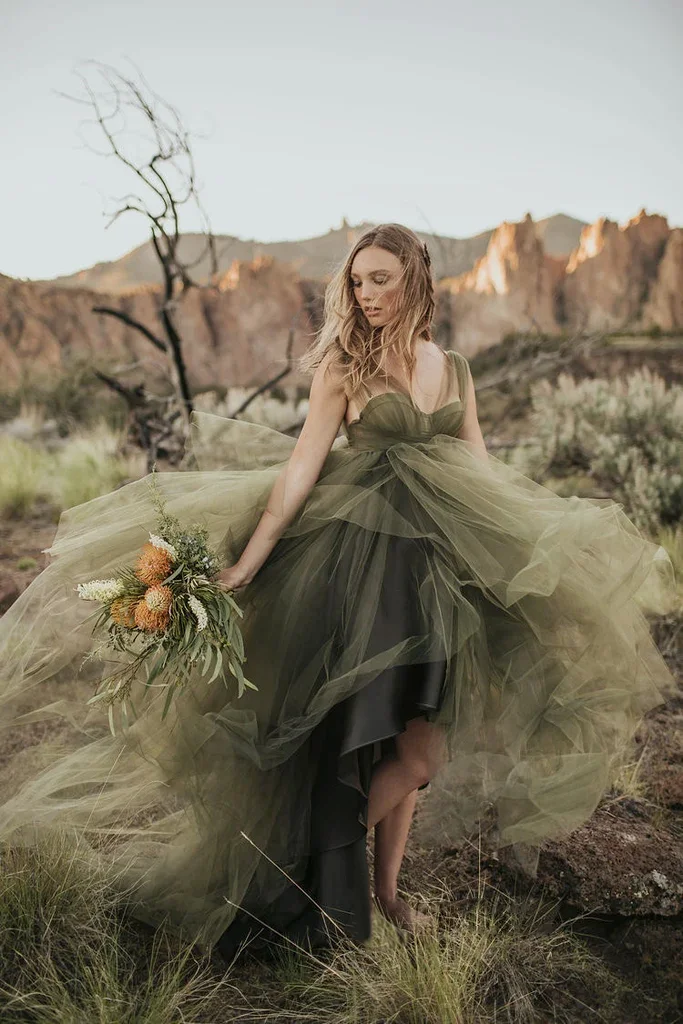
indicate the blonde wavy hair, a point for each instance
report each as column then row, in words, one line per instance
column 359, row 348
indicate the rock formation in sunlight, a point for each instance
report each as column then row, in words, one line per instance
column 236, row 331
column 511, row 287
column 617, row 278
column 612, row 271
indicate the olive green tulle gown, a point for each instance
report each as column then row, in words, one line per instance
column 416, row 579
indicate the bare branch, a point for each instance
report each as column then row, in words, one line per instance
column 273, row 381
column 119, row 314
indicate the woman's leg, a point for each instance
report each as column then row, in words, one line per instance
column 420, row 751
column 391, row 834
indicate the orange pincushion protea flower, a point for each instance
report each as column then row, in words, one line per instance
column 153, row 564
column 152, row 612
column 123, row 612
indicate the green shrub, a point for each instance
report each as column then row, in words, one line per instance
column 88, row 463
column 22, row 481
column 625, row 433
column 26, row 563
column 70, row 395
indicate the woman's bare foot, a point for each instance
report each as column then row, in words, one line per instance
column 402, row 914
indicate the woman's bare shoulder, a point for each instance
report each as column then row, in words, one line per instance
column 329, row 374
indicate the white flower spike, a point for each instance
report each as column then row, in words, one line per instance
column 100, row 590
column 199, row 611
column 163, row 545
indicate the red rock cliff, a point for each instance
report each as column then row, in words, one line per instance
column 235, row 333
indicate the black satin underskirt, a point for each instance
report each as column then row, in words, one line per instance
column 345, row 748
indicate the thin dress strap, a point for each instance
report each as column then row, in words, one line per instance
column 461, row 372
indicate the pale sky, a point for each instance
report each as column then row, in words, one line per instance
column 444, row 115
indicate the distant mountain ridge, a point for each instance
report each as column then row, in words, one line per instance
column 314, row 258
column 617, row 277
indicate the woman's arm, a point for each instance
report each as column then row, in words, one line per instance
column 470, row 430
column 327, row 405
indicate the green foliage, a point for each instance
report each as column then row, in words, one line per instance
column 24, row 477
column 26, row 562
column 626, row 434
column 88, row 463
column 190, row 541
column 71, row 395
column 68, row 954
column 502, row 960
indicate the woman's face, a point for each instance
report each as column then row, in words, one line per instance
column 375, row 277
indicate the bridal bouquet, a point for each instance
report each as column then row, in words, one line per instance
column 167, row 615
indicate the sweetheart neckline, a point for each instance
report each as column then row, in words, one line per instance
column 407, row 398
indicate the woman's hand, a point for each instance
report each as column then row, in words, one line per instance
column 233, row 577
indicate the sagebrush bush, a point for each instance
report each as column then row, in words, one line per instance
column 625, row 433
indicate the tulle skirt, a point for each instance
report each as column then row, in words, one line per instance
column 416, row 579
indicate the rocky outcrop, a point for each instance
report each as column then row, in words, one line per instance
column 609, row 276
column 664, row 307
column 512, row 287
column 617, row 278
column 234, row 333
column 236, row 330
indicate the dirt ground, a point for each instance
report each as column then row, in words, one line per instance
column 22, row 539
column 619, row 878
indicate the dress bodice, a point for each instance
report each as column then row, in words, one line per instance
column 390, row 417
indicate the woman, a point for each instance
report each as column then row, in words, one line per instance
column 415, row 610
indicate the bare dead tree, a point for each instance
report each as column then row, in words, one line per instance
column 153, row 420
column 146, row 135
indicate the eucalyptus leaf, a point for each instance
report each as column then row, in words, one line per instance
column 167, row 702
column 219, row 666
